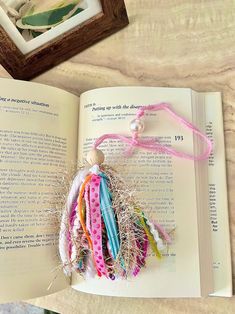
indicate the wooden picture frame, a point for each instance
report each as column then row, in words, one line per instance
column 26, row 66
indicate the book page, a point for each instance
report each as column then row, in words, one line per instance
column 201, row 172
column 38, row 139
column 218, row 202
column 165, row 184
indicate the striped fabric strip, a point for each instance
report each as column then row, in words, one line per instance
column 109, row 217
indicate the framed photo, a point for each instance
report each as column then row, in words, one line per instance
column 36, row 35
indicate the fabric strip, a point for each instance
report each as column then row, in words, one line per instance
column 96, row 224
column 88, row 212
column 109, row 217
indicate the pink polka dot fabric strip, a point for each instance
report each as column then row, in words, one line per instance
column 96, row 224
column 88, row 211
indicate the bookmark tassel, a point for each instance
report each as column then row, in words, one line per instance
column 104, row 231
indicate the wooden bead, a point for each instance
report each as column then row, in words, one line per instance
column 95, row 157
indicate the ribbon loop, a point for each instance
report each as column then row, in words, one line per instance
column 154, row 145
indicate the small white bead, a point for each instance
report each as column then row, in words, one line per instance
column 137, row 125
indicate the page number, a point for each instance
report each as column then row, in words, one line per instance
column 179, row 138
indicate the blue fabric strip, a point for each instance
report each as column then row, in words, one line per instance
column 109, row 217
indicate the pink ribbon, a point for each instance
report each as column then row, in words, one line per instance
column 96, row 225
column 154, row 145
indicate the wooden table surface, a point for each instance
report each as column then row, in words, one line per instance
column 168, row 43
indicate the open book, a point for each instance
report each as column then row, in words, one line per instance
column 44, row 129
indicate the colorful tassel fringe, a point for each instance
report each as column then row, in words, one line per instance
column 103, row 231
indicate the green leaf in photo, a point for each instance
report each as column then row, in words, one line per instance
column 77, row 11
column 50, row 17
column 35, row 34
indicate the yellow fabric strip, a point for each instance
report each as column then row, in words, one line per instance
column 149, row 234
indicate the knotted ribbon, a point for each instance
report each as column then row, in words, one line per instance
column 153, row 144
